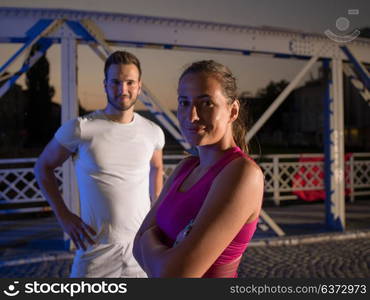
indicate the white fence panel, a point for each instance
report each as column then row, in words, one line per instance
column 284, row 174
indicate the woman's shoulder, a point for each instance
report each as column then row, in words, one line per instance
column 243, row 180
column 245, row 162
column 245, row 167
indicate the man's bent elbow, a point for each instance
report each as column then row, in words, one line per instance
column 37, row 169
column 42, row 170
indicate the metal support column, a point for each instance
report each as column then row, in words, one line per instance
column 69, row 111
column 334, row 147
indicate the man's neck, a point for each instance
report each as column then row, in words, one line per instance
column 123, row 117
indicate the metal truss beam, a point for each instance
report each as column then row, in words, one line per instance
column 271, row 223
column 42, row 28
column 357, row 83
column 100, row 30
column 359, row 67
column 69, row 111
column 172, row 33
column 28, row 63
column 36, row 34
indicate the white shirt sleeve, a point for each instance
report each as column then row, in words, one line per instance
column 69, row 135
column 159, row 143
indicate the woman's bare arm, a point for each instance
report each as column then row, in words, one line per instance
column 234, row 199
column 150, row 219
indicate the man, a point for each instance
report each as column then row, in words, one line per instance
column 118, row 161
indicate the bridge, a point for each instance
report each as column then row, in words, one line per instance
column 101, row 31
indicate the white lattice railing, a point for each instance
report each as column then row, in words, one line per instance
column 18, row 185
column 285, row 174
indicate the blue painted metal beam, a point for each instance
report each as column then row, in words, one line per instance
column 360, row 69
column 45, row 44
column 333, row 221
column 32, row 36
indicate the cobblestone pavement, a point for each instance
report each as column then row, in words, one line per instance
column 330, row 259
column 44, row 269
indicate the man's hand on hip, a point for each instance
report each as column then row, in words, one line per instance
column 79, row 232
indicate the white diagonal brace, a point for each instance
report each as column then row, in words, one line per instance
column 146, row 99
column 158, row 103
column 97, row 51
column 96, row 33
column 357, row 83
column 270, row 222
column 280, row 99
column 360, row 68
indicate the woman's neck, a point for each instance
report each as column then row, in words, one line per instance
column 210, row 154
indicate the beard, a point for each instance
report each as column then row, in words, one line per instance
column 122, row 107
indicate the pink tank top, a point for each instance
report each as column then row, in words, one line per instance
column 179, row 208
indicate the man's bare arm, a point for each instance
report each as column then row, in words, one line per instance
column 156, row 175
column 53, row 156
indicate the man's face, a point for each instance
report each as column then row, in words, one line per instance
column 122, row 86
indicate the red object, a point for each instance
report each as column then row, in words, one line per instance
column 315, row 176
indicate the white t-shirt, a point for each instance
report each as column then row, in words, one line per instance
column 112, row 165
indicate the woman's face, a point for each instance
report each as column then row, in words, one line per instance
column 204, row 112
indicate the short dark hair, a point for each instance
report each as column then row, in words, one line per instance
column 121, row 57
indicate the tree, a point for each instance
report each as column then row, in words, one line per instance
column 40, row 93
column 365, row 32
column 272, row 90
column 272, row 131
column 13, row 105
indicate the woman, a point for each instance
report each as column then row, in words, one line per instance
column 208, row 209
